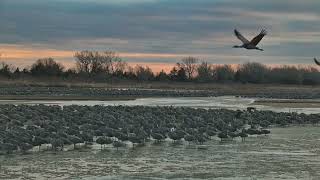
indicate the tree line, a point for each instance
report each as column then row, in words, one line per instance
column 109, row 66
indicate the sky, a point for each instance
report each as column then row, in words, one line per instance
column 160, row 32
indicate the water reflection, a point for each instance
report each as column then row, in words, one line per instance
column 288, row 153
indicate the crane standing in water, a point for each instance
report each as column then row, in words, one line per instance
column 250, row 44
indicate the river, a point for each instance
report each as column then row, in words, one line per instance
column 288, row 153
column 228, row 102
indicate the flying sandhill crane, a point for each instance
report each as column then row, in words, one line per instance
column 316, row 61
column 250, row 44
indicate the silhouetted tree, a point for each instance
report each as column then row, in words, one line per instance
column 47, row 67
column 17, row 71
column 311, row 76
column 118, row 66
column 173, row 75
column 162, row 76
column 181, row 75
column 94, row 62
column 5, row 69
column 224, row 73
column 144, row 73
column 83, row 61
column 204, row 72
column 189, row 64
column 130, row 73
column 105, row 66
column 286, row 75
column 252, row 72
column 70, row 73
column 25, row 71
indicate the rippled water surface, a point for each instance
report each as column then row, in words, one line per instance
column 288, row 153
column 228, row 102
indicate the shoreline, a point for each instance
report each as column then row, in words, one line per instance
column 289, row 103
column 128, row 92
column 154, row 85
column 281, row 103
column 66, row 98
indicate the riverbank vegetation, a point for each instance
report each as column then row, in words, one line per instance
column 108, row 67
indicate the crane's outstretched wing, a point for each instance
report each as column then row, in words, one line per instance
column 255, row 41
column 316, row 61
column 239, row 36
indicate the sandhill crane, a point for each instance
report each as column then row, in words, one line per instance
column 316, row 61
column 250, row 44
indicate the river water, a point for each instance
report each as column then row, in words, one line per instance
column 228, row 102
column 288, row 153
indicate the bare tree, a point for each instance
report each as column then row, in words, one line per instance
column 90, row 61
column 252, row 72
column 119, row 66
column 144, row 73
column 83, row 61
column 224, row 73
column 97, row 63
column 204, row 72
column 189, row 64
column 113, row 63
column 94, row 62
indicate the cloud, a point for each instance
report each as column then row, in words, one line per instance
column 25, row 56
column 160, row 30
column 113, row 2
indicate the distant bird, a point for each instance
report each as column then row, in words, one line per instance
column 251, row 109
column 250, row 44
column 316, row 61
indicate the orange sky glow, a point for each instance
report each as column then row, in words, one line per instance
column 21, row 56
column 24, row 57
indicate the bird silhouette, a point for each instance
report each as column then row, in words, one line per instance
column 250, row 44
column 316, row 61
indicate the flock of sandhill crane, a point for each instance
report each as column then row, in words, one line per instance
column 255, row 41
